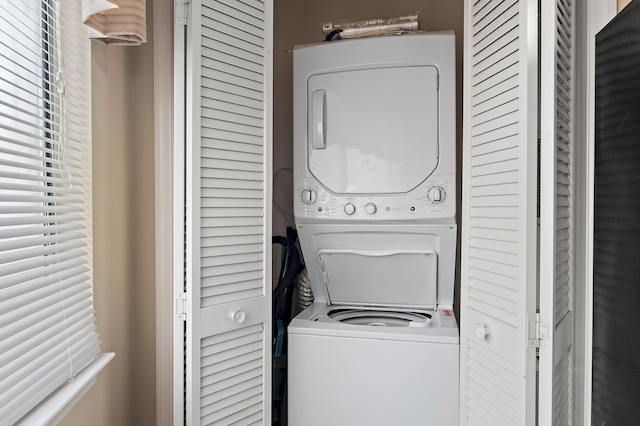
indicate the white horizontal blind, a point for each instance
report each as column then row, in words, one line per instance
column 47, row 331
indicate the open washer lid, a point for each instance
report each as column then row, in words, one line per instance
column 399, row 279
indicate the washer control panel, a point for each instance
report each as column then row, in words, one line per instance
column 435, row 198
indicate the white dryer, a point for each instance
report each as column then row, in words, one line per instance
column 374, row 175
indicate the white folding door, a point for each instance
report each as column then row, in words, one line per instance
column 226, row 304
column 557, row 207
column 518, row 202
column 498, row 270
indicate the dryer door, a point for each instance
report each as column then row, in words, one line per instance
column 373, row 130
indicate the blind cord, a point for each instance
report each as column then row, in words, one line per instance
column 61, row 86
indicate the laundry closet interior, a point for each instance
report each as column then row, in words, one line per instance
column 348, row 256
column 518, row 292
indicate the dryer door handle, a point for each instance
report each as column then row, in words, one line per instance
column 318, row 131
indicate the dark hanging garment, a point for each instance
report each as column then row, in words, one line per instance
column 616, row 302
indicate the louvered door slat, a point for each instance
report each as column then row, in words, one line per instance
column 217, row 104
column 222, row 154
column 241, row 126
column 498, row 238
column 224, row 280
column 222, row 290
column 233, row 259
column 231, row 375
column 237, row 39
column 491, row 12
column 230, row 222
column 213, row 94
column 496, row 402
column 493, row 49
column 235, row 29
column 493, row 110
column 235, row 15
column 234, row 81
column 248, row 9
column 228, row 230
column 219, row 203
column 251, row 368
column 230, row 116
column 562, row 403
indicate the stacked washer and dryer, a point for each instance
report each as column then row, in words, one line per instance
column 375, row 192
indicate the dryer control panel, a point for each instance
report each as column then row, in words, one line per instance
column 434, row 199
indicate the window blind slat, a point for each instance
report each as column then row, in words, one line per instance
column 19, row 221
column 43, row 244
column 41, row 330
column 43, row 381
column 35, row 230
column 48, row 295
column 14, row 324
column 20, row 356
column 31, row 268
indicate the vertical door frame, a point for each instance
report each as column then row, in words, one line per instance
column 178, row 210
column 163, row 74
column 192, row 61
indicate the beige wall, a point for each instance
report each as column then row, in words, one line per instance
column 142, row 210
column 622, row 4
column 300, row 21
column 109, row 401
column 124, row 266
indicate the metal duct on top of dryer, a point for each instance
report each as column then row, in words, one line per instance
column 374, row 129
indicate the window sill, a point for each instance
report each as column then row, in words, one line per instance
column 53, row 409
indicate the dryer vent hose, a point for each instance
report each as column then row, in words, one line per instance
column 305, row 294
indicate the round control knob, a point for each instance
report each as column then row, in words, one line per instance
column 370, row 208
column 309, row 196
column 349, row 209
column 436, row 194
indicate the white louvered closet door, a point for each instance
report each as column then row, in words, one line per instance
column 557, row 118
column 498, row 271
column 228, row 216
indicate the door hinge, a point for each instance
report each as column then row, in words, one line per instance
column 181, row 11
column 182, row 307
column 537, row 330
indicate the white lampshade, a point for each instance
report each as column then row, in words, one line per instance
column 121, row 22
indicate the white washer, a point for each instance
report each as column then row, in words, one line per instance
column 374, row 175
column 347, row 374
